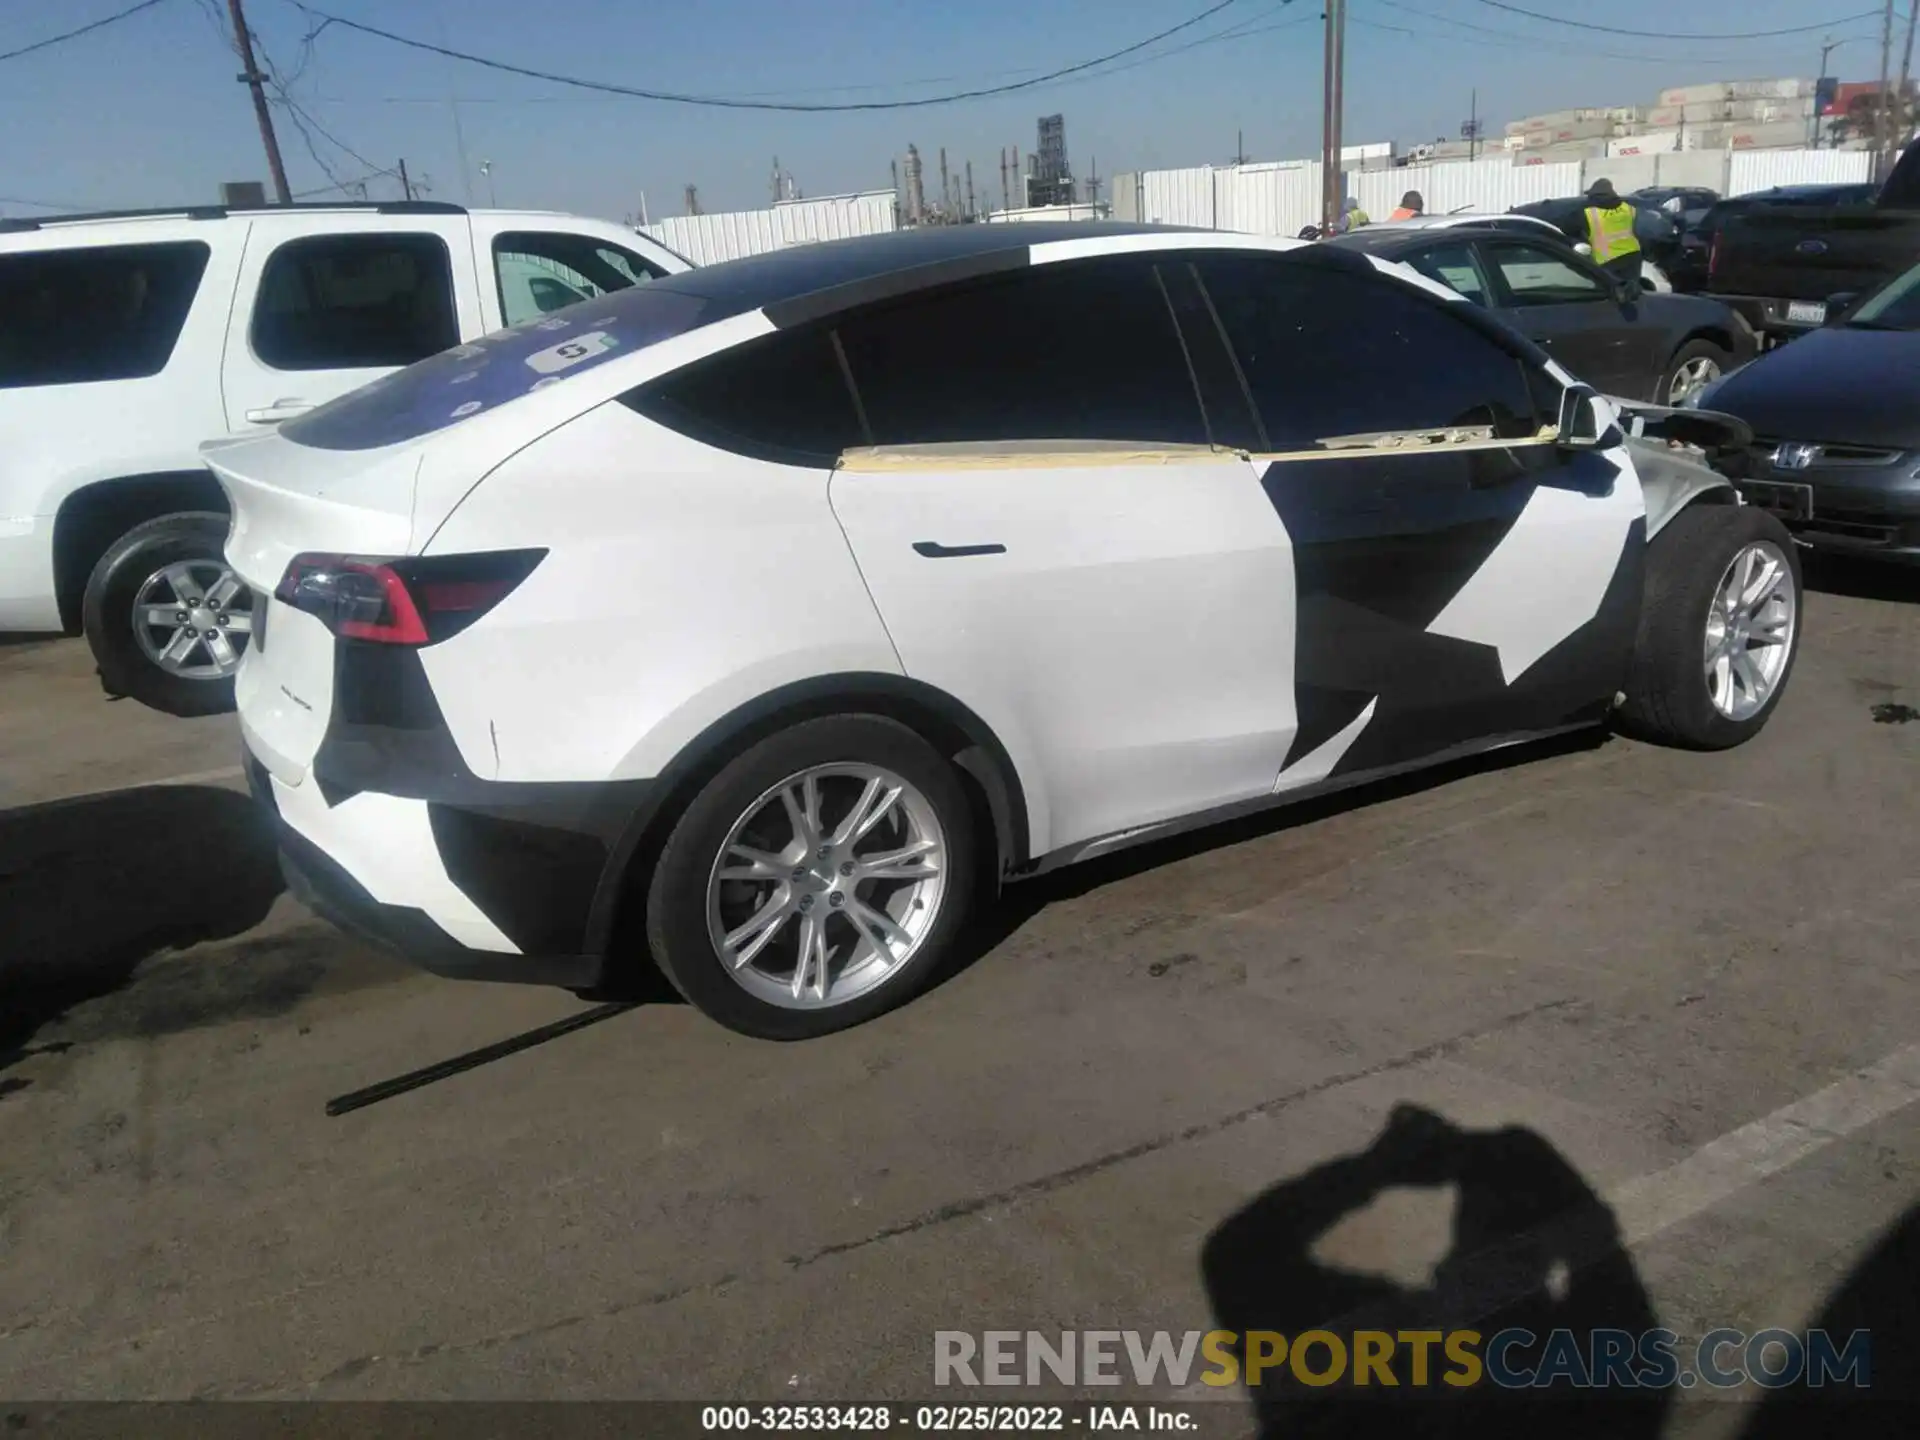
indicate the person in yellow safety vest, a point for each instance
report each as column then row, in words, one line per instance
column 1352, row 217
column 1609, row 225
column 1412, row 207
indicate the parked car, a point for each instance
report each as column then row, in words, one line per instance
column 1655, row 347
column 126, row 340
column 1837, row 447
column 1652, row 278
column 777, row 609
column 1781, row 264
column 1690, row 268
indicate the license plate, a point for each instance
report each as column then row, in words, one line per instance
column 1806, row 312
column 1789, row 502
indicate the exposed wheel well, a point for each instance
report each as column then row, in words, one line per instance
column 1721, row 338
column 96, row 515
column 986, row 773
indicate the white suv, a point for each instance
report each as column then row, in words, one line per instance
column 751, row 617
column 126, row 340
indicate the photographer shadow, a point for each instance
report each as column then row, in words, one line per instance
column 1532, row 1247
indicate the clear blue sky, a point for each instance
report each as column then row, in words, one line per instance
column 148, row 111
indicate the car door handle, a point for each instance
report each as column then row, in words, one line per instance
column 933, row 550
column 280, row 410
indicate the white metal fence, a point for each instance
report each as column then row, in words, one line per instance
column 1283, row 198
column 708, row 239
column 1751, row 170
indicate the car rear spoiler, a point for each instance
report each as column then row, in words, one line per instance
column 1709, row 430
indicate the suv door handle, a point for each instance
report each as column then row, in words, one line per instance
column 933, row 550
column 280, row 410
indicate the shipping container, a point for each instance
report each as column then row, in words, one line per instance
column 1697, row 94
column 1706, row 112
column 1705, row 137
column 1580, row 130
column 1628, row 114
column 1772, row 89
column 1662, row 117
column 1576, row 153
column 1516, row 127
column 1782, row 135
column 1650, row 142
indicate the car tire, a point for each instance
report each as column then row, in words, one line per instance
column 1677, row 692
column 130, row 578
column 1701, row 361
column 693, row 910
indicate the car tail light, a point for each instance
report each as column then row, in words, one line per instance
column 417, row 601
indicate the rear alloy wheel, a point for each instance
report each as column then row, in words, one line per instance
column 166, row 618
column 816, row 881
column 1719, row 629
column 1695, row 365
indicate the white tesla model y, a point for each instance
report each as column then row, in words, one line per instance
column 778, row 610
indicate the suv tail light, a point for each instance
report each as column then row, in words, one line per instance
column 417, row 601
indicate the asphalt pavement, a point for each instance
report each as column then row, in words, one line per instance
column 1677, row 990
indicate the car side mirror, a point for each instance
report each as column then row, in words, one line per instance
column 1838, row 305
column 1584, row 425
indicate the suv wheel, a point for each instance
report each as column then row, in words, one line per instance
column 1719, row 629
column 817, row 881
column 166, row 619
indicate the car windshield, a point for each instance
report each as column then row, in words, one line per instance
column 1897, row 307
column 497, row 369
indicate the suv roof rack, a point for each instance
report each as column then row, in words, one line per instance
column 221, row 212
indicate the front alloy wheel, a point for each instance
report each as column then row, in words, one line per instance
column 1750, row 630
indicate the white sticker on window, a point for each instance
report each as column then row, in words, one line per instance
column 569, row 353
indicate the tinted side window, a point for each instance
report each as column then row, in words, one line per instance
column 1454, row 265
column 103, row 313
column 1058, row 352
column 354, row 302
column 1329, row 354
column 1536, row 275
column 541, row 271
column 783, row 399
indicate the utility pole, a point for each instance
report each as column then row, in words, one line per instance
column 1906, row 73
column 1883, row 129
column 969, row 189
column 1827, row 47
column 1006, row 189
column 693, row 200
column 1239, row 147
column 1331, row 180
column 1473, row 127
column 406, row 185
column 255, row 81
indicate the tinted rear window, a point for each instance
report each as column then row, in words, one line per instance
column 497, row 369
column 114, row 312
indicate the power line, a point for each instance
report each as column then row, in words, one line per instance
column 1680, row 35
column 1511, row 40
column 87, row 29
column 743, row 102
